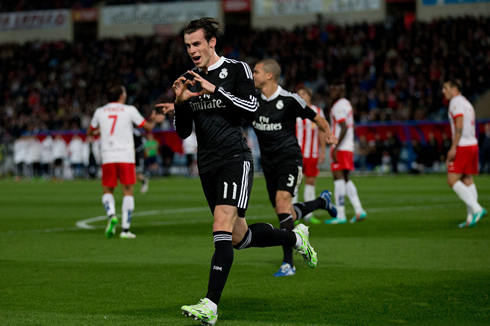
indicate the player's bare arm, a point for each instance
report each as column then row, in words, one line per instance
column 166, row 107
column 325, row 127
column 182, row 94
column 458, row 132
column 92, row 132
column 343, row 132
column 154, row 119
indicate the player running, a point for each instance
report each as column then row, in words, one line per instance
column 216, row 95
column 342, row 156
column 281, row 157
column 114, row 121
column 462, row 158
column 312, row 142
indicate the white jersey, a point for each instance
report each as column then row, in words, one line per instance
column 342, row 111
column 59, row 149
column 459, row 106
column 47, row 156
column 115, row 121
column 76, row 150
column 307, row 134
column 20, row 151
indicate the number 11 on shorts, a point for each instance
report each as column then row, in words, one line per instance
column 225, row 191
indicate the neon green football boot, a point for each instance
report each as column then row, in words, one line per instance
column 201, row 312
column 306, row 250
column 110, row 229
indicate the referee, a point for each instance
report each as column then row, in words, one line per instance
column 216, row 96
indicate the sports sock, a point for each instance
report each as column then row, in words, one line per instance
column 127, row 211
column 309, row 195
column 220, row 265
column 351, row 191
column 340, row 198
column 265, row 235
column 466, row 196
column 303, row 209
column 474, row 193
column 109, row 204
column 286, row 223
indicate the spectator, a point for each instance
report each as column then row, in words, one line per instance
column 60, row 154
column 47, row 157
column 76, row 154
column 432, row 152
column 393, row 147
column 445, row 146
column 484, row 143
column 20, row 156
column 362, row 151
column 151, row 152
column 189, row 146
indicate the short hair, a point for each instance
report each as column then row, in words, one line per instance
column 453, row 82
column 210, row 26
column 308, row 90
column 114, row 93
column 271, row 65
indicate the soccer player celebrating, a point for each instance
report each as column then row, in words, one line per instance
column 114, row 121
column 216, row 95
column 281, row 157
column 312, row 142
column 462, row 158
column 342, row 155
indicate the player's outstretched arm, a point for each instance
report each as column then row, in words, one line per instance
column 154, row 119
column 166, row 107
column 325, row 127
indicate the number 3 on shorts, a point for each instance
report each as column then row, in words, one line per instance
column 291, row 180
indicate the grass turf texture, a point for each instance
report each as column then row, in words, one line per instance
column 407, row 264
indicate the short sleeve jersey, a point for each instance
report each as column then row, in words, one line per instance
column 307, row 134
column 115, row 121
column 459, row 106
column 275, row 127
column 342, row 111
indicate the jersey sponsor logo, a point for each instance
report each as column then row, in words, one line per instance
column 264, row 125
column 223, row 73
column 280, row 105
column 207, row 104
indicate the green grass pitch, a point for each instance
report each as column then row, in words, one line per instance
column 407, row 264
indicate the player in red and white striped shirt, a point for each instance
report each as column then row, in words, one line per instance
column 462, row 158
column 342, row 155
column 312, row 143
column 114, row 121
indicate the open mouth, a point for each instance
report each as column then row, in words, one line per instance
column 196, row 59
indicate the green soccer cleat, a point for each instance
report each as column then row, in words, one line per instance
column 201, row 312
column 313, row 220
column 306, row 250
column 336, row 220
column 110, row 229
column 359, row 218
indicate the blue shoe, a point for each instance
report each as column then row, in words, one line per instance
column 329, row 206
column 477, row 217
column 335, row 221
column 285, row 270
column 359, row 218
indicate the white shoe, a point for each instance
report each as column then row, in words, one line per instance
column 144, row 187
column 127, row 235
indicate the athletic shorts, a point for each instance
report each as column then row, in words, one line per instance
column 466, row 160
column 140, row 162
column 125, row 172
column 151, row 160
column 285, row 177
column 310, row 167
column 230, row 184
column 345, row 161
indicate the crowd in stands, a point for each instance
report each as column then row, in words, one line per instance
column 393, row 71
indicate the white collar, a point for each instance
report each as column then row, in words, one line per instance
column 217, row 64
column 273, row 96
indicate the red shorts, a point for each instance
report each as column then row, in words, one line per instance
column 310, row 167
column 466, row 161
column 125, row 172
column 345, row 161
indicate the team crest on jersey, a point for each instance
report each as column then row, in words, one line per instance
column 280, row 105
column 223, row 73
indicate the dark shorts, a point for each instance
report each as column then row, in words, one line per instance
column 58, row 162
column 151, row 160
column 139, row 160
column 20, row 169
column 230, row 184
column 285, row 177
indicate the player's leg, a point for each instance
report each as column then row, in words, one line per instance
column 339, row 192
column 109, row 182
column 127, row 175
column 472, row 217
column 351, row 190
column 454, row 181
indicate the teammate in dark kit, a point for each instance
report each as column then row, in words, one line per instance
column 217, row 95
column 139, row 151
column 281, row 158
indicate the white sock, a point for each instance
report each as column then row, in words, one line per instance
column 466, row 196
column 127, row 211
column 351, row 190
column 474, row 193
column 340, row 198
column 295, row 198
column 299, row 241
column 109, row 204
column 309, row 195
column 213, row 306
